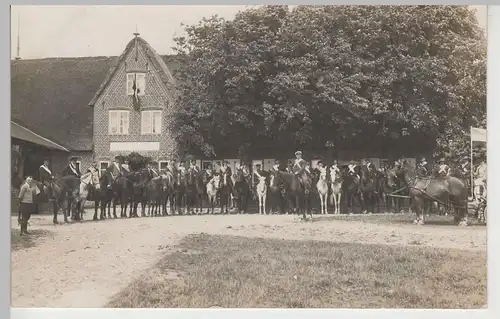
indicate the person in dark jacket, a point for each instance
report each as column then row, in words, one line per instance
column 72, row 169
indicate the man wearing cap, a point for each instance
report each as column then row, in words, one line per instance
column 423, row 168
column 443, row 168
column 71, row 169
column 225, row 169
column 276, row 166
column 152, row 170
column 368, row 168
column 335, row 167
column 352, row 169
column 193, row 167
column 207, row 173
column 46, row 176
column 299, row 164
column 115, row 169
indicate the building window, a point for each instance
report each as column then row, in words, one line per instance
column 162, row 165
column 103, row 166
column 140, row 83
column 79, row 166
column 151, row 122
column 118, row 122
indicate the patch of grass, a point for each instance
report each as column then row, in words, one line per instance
column 18, row 242
column 237, row 272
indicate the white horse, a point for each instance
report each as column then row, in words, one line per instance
column 87, row 180
column 261, row 189
column 322, row 187
column 336, row 187
column 213, row 187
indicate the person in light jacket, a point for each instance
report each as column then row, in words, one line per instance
column 27, row 206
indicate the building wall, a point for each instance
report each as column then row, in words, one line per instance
column 114, row 97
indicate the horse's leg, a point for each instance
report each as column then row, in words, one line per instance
column 334, row 199
column 54, row 212
column 96, row 208
column 338, row 202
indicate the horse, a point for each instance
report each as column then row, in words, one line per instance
column 190, row 191
column 104, row 196
column 261, row 191
column 167, row 194
column 61, row 192
column 241, row 189
column 336, row 189
column 88, row 182
column 225, row 191
column 298, row 190
column 154, row 190
column 396, row 182
column 275, row 192
column 368, row 191
column 140, row 179
column 180, row 190
column 199, row 191
column 440, row 189
column 351, row 187
column 213, row 187
column 322, row 187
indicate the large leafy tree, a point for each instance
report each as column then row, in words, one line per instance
column 372, row 76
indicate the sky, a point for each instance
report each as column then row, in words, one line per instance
column 75, row 31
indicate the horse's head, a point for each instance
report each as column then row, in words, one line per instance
column 335, row 175
column 94, row 178
column 262, row 180
column 323, row 173
column 215, row 182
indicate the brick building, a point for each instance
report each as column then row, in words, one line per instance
column 121, row 126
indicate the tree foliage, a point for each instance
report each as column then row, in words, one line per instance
column 368, row 75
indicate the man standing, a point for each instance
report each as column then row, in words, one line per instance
column 194, row 168
column 276, row 166
column 71, row 169
column 26, row 204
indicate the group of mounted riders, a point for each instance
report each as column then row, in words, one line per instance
column 187, row 187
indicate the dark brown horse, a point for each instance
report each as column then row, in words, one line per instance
column 61, row 193
column 275, row 192
column 367, row 187
column 140, row 179
column 351, row 189
column 241, row 189
column 168, row 192
column 225, row 191
column 447, row 189
column 298, row 191
column 200, row 189
column 103, row 197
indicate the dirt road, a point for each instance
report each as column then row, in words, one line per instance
column 84, row 264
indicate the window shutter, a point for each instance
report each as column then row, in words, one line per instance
column 146, row 122
column 130, row 83
column 113, row 122
column 141, row 83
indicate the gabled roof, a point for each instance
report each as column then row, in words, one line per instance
column 165, row 75
column 50, row 96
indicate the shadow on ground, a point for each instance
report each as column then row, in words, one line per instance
column 28, row 241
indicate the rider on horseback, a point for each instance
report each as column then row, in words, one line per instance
column 46, row 177
column 71, row 169
column 423, row 168
column 443, row 169
column 276, row 166
column 193, row 167
column 352, row 169
column 299, row 165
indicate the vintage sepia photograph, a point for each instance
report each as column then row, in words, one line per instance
column 258, row 156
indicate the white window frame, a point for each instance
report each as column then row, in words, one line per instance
column 100, row 166
column 140, row 82
column 159, row 164
column 151, row 114
column 125, row 130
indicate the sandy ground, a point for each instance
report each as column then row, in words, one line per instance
column 84, row 264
